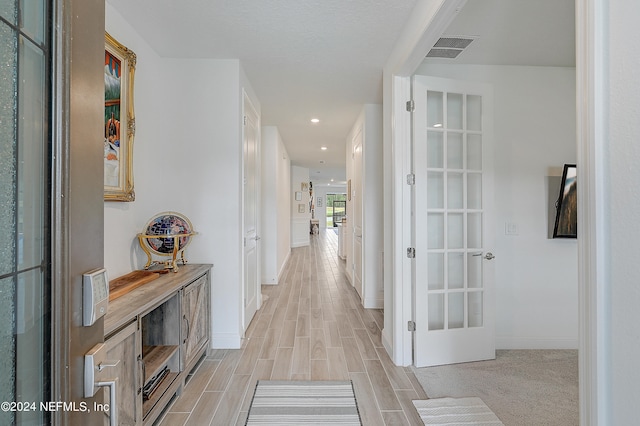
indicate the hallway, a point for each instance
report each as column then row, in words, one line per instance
column 310, row 327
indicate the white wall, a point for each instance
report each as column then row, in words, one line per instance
column 300, row 222
column 276, row 205
column 620, row 211
column 536, row 277
column 187, row 158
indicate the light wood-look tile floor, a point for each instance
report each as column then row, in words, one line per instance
column 310, row 327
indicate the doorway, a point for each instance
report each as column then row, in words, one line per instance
column 336, row 209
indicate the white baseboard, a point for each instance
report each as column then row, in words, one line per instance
column 534, row 343
column 373, row 303
column 226, row 341
column 284, row 264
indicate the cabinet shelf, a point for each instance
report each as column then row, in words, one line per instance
column 155, row 358
column 148, row 405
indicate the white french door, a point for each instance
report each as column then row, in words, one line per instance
column 453, row 232
column 251, row 142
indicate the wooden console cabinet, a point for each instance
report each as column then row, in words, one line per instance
column 159, row 330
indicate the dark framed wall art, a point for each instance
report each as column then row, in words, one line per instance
column 567, row 205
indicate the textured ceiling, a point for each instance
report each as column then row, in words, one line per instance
column 324, row 59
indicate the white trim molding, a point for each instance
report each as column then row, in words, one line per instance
column 594, row 388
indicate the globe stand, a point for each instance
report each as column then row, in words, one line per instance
column 167, row 264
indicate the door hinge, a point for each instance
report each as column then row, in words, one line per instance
column 411, row 106
column 411, row 179
column 411, row 325
column 244, row 120
column 411, row 252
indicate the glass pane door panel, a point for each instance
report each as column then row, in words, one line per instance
column 8, row 89
column 436, row 271
column 435, row 190
column 476, row 308
column 474, row 230
column 32, row 16
column 474, row 112
column 455, row 190
column 455, row 267
column 474, row 270
column 435, row 109
column 31, row 155
column 454, row 111
column 455, row 230
column 435, row 230
column 456, row 310
column 435, row 150
column 436, row 311
column 9, row 12
column 474, row 191
column 474, row 152
column 454, row 150
column 7, row 343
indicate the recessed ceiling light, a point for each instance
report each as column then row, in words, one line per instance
column 331, row 180
column 324, row 148
column 315, row 120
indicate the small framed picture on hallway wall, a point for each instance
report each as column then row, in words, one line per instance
column 300, row 208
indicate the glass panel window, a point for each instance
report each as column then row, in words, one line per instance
column 8, row 11
column 8, row 113
column 25, row 323
column 476, row 308
column 436, row 312
column 32, row 17
column 456, row 310
column 455, row 266
column 435, row 190
column 436, row 271
column 435, row 150
column 435, row 109
column 454, row 110
column 474, row 152
column 454, row 150
column 474, row 112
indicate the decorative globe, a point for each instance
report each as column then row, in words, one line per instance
column 167, row 225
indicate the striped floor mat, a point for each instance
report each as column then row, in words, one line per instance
column 304, row 402
column 456, row 411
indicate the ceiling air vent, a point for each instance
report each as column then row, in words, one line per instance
column 449, row 47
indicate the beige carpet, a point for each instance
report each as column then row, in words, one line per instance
column 522, row 387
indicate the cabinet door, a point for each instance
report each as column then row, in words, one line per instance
column 195, row 318
column 125, row 346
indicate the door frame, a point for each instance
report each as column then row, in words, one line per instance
column 426, row 24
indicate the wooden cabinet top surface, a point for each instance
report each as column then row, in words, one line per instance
column 124, row 309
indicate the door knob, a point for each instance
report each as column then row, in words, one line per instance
column 489, row 256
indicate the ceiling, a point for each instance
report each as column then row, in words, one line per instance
column 323, row 59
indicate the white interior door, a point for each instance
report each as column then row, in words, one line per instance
column 453, row 197
column 251, row 142
column 356, row 196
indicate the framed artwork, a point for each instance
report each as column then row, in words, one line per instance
column 304, row 186
column 300, row 208
column 298, row 196
column 567, row 205
column 119, row 121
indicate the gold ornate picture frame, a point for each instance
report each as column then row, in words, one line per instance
column 119, row 121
